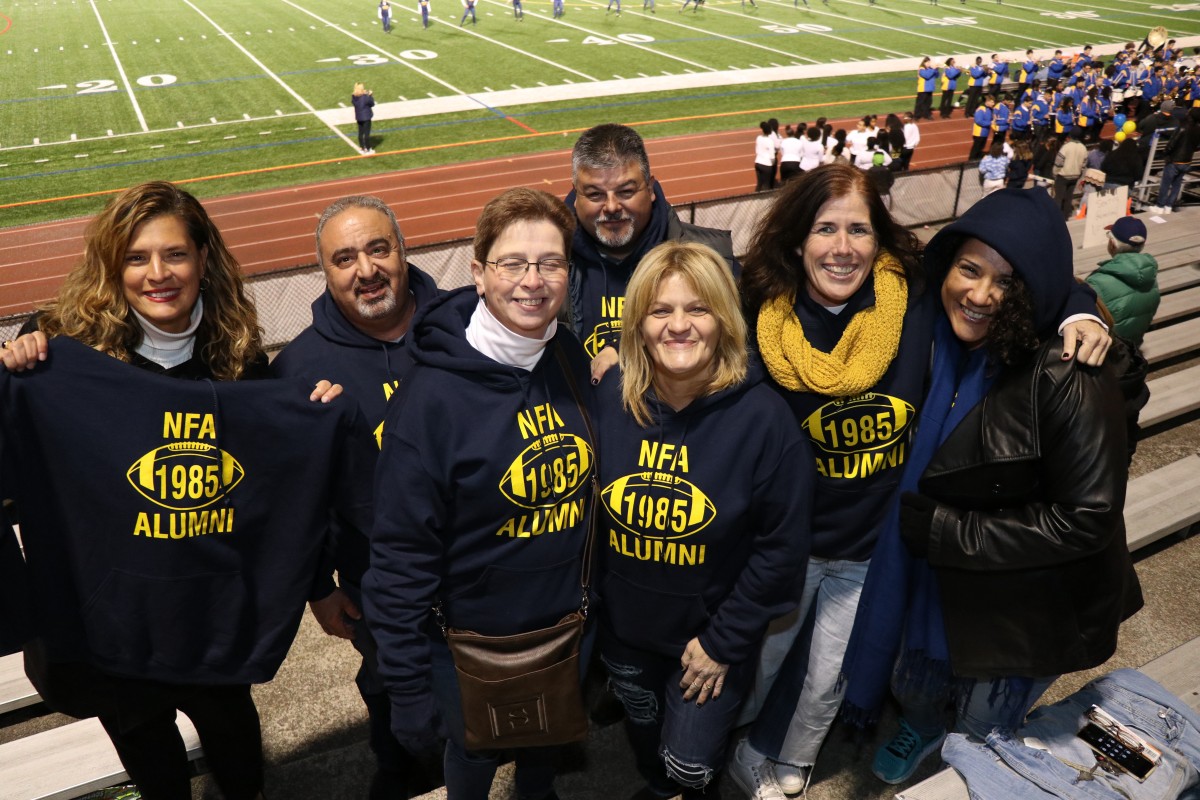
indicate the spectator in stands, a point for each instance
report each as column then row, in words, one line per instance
column 1123, row 165
column 358, row 339
column 363, row 101
column 685, row 386
column 950, row 75
column 1178, row 155
column 927, row 75
column 963, row 536
column 1163, row 118
column 856, row 140
column 450, row 528
column 1044, row 155
column 843, row 324
column 765, row 153
column 1127, row 281
column 622, row 213
column 1020, row 165
column 994, row 168
column 1068, row 167
column 157, row 288
column 912, row 138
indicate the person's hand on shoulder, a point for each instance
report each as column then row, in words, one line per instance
column 25, row 351
column 325, row 391
column 605, row 360
column 1086, row 341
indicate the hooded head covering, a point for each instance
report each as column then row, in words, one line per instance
column 1027, row 229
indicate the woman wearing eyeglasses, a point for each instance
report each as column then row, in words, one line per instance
column 482, row 488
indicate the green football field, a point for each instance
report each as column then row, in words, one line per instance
column 243, row 94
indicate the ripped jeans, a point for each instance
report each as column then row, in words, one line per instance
column 676, row 743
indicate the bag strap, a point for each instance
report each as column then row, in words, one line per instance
column 585, row 576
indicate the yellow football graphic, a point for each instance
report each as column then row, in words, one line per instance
column 185, row 476
column 548, row 471
column 658, row 505
column 858, row 425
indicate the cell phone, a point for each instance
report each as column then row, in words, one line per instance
column 1138, row 762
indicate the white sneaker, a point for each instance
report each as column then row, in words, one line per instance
column 791, row 779
column 754, row 773
column 1167, row 210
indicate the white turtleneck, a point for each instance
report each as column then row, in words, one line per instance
column 168, row 349
column 489, row 336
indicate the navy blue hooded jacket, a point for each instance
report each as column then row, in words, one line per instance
column 173, row 528
column 597, row 282
column 370, row 370
column 482, row 499
column 705, row 523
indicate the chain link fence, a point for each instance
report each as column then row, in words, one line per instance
column 284, row 297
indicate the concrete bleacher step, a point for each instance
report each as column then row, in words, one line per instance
column 1178, row 304
column 1162, row 502
column 1171, row 341
column 1181, row 277
column 1177, row 671
column 69, row 761
column 1171, row 396
column 15, row 689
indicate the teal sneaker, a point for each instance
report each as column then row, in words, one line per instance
column 897, row 760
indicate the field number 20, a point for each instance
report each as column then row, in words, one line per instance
column 93, row 87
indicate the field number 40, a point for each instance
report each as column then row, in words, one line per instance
column 93, row 87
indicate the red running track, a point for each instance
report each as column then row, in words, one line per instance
column 273, row 230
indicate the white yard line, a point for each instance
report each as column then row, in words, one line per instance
column 825, row 35
column 525, row 53
column 267, row 71
column 1160, row 17
column 112, row 47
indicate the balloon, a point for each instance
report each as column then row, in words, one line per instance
column 1129, row 127
column 1119, row 136
column 1119, row 120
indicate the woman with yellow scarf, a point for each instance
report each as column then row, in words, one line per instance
column 843, row 321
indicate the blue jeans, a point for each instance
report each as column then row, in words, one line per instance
column 676, row 742
column 1007, row 765
column 797, row 687
column 469, row 773
column 1172, row 182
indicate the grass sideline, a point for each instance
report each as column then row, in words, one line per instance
column 220, row 94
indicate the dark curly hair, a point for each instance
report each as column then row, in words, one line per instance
column 1012, row 335
column 772, row 267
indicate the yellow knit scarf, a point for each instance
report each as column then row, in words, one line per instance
column 861, row 356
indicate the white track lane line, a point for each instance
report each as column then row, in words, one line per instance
column 112, row 47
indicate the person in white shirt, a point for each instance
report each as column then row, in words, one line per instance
column 811, row 150
column 789, row 155
column 764, row 159
column 912, row 138
column 856, row 140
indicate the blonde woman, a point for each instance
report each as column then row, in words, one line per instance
column 704, row 532
column 364, row 101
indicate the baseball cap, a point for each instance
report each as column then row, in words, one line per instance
column 1167, row 106
column 1129, row 230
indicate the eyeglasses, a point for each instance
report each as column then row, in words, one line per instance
column 375, row 251
column 514, row 269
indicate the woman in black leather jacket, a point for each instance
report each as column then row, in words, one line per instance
column 1009, row 564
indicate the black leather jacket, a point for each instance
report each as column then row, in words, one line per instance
column 1028, row 539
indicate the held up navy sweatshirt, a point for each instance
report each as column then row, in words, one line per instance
column 705, row 523
column 482, row 498
column 173, row 528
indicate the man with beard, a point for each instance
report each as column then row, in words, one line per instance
column 357, row 339
column 622, row 214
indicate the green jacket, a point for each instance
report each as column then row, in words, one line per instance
column 1128, row 285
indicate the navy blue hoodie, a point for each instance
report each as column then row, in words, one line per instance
column 482, row 498
column 597, row 282
column 370, row 370
column 173, row 528
column 705, row 524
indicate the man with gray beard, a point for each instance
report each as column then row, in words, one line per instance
column 357, row 339
column 622, row 214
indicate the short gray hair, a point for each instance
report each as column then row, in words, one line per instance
column 607, row 146
column 1124, row 247
column 357, row 201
